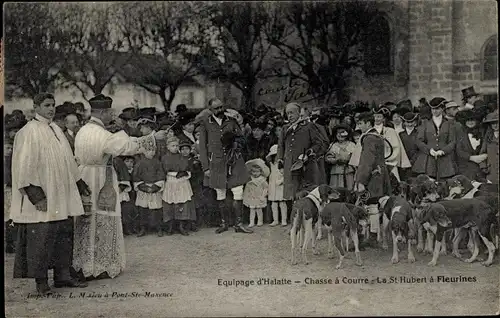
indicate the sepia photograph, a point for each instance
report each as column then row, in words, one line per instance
column 251, row 159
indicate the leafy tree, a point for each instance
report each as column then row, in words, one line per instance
column 167, row 41
column 93, row 45
column 32, row 49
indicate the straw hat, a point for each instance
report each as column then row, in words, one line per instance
column 273, row 151
column 259, row 163
column 491, row 117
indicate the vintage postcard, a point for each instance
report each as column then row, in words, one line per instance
column 216, row 159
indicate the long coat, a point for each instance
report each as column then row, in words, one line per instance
column 213, row 157
column 490, row 147
column 296, row 140
column 430, row 137
column 464, row 151
column 372, row 171
column 410, row 144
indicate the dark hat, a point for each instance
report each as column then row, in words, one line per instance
column 437, row 102
column 184, row 143
column 258, row 124
column 186, row 118
column 401, row 110
column 358, row 108
column 100, row 102
column 342, row 127
column 491, row 117
column 181, row 108
column 405, row 103
column 468, row 114
column 410, row 116
column 128, row 113
column 147, row 111
column 468, row 92
column 381, row 109
column 390, row 106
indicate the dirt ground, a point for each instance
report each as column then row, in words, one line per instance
column 185, row 272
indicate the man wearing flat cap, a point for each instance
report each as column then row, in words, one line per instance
column 99, row 249
column 300, row 141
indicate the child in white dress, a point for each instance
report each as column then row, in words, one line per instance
column 275, row 195
column 255, row 192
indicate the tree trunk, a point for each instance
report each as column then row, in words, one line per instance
column 248, row 98
column 164, row 100
column 167, row 102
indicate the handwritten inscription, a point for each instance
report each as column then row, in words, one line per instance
column 295, row 89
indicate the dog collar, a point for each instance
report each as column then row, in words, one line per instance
column 315, row 198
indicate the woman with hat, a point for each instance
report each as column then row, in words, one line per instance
column 338, row 155
column 186, row 127
column 436, row 142
column 469, row 144
column 490, row 147
column 409, row 139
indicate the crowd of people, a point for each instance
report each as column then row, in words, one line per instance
column 147, row 171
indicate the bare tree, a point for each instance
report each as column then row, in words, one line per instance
column 93, row 45
column 242, row 44
column 321, row 42
column 32, row 49
column 167, row 41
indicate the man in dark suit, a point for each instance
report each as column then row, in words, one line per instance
column 72, row 124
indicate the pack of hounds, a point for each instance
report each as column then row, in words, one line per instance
column 446, row 212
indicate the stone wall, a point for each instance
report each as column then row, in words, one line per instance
column 474, row 22
column 446, row 42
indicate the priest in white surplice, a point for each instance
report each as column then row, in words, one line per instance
column 99, row 249
column 46, row 189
